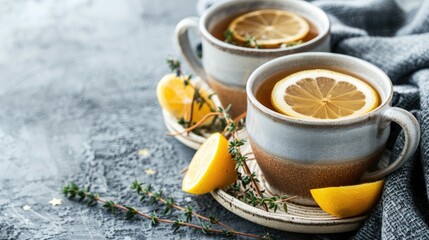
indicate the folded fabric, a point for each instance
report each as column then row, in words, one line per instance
column 396, row 40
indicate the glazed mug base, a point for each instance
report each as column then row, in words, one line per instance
column 292, row 178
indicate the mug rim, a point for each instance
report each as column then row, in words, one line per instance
column 309, row 44
column 334, row 122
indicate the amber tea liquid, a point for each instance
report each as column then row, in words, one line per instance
column 263, row 91
column 233, row 94
column 220, row 28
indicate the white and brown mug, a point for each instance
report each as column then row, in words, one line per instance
column 227, row 67
column 296, row 155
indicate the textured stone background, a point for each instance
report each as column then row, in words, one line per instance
column 77, row 101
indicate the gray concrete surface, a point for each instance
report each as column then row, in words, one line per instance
column 77, row 101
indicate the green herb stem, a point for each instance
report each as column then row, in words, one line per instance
column 234, row 149
column 170, row 204
column 72, row 190
column 196, row 125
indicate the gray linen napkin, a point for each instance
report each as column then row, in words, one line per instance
column 396, row 40
column 394, row 35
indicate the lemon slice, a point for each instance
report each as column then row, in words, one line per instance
column 348, row 201
column 211, row 167
column 322, row 95
column 269, row 27
column 176, row 98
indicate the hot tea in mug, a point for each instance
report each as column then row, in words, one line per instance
column 239, row 35
column 266, row 28
column 318, row 94
column 319, row 120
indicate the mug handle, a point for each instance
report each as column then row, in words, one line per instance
column 411, row 128
column 184, row 44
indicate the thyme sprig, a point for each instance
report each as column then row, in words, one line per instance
column 272, row 202
column 176, row 67
column 146, row 192
column 240, row 160
column 240, row 189
column 229, row 37
column 251, row 42
column 71, row 191
column 291, row 44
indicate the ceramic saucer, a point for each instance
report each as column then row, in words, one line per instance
column 298, row 218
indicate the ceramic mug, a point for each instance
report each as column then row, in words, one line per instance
column 296, row 155
column 227, row 67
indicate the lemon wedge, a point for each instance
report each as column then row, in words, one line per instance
column 348, row 201
column 211, row 167
column 176, row 98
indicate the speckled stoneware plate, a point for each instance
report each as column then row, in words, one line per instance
column 298, row 218
column 191, row 140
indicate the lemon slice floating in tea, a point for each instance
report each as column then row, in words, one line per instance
column 176, row 98
column 321, row 94
column 269, row 27
column 211, row 167
column 348, row 201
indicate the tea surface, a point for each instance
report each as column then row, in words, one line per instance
column 220, row 29
column 344, row 100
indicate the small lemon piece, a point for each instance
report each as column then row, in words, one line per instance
column 176, row 98
column 211, row 167
column 348, row 201
column 320, row 94
column 269, row 27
